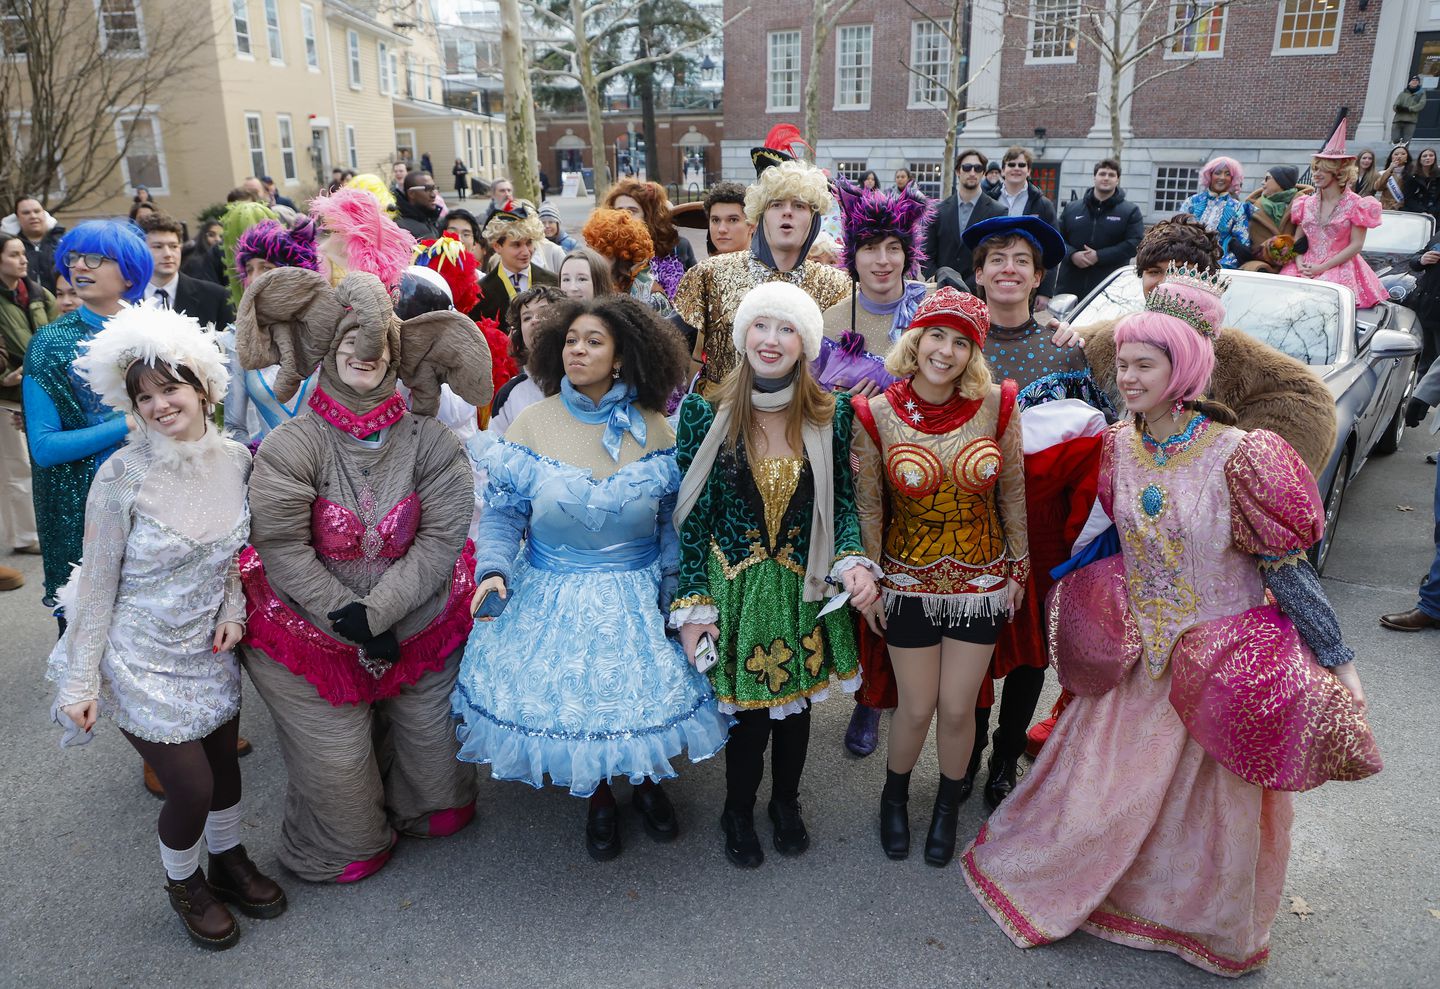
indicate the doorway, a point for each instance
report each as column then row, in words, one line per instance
column 1426, row 64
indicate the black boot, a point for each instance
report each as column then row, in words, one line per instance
column 742, row 845
column 791, row 836
column 895, row 815
column 1004, row 774
column 940, row 842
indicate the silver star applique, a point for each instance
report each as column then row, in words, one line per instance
column 913, row 478
column 916, row 416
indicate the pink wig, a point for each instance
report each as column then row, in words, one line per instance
column 373, row 243
column 1237, row 174
column 1192, row 355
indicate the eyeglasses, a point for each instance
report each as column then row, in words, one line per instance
column 1022, row 165
column 91, row 260
column 425, row 188
column 972, row 167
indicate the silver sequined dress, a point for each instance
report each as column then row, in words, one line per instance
column 163, row 525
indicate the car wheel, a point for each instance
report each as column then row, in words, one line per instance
column 1389, row 440
column 1334, row 500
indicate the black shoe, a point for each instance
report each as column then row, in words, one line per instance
column 895, row 815
column 602, row 833
column 1004, row 774
column 791, row 838
column 940, row 842
column 656, row 812
column 742, row 845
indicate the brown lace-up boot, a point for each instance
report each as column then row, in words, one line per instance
column 206, row 919
column 236, row 880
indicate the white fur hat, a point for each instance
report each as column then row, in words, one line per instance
column 781, row 300
column 139, row 333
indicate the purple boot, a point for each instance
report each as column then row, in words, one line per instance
column 864, row 731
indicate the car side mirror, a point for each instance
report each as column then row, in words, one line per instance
column 1061, row 306
column 1387, row 344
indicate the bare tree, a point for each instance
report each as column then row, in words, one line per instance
column 573, row 41
column 519, row 106
column 88, row 71
column 824, row 15
column 1125, row 34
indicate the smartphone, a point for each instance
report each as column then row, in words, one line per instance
column 491, row 605
column 706, row 655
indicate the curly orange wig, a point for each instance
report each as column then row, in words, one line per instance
column 623, row 239
column 655, row 204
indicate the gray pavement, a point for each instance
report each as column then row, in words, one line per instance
column 514, row 900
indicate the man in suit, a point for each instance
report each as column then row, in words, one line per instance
column 169, row 288
column 512, row 233
column 965, row 206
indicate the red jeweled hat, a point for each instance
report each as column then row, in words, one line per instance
column 955, row 310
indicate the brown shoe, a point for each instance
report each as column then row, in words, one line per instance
column 236, row 880
column 11, row 579
column 152, row 783
column 206, row 919
column 1413, row 620
column 243, row 747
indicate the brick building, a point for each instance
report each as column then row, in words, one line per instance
column 1257, row 79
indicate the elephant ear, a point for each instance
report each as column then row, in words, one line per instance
column 287, row 317
column 444, row 348
column 369, row 309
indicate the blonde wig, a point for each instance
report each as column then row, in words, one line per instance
column 796, row 180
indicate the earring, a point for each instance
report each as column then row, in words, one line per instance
column 1177, row 410
column 615, row 374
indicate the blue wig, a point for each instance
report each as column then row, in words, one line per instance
column 117, row 239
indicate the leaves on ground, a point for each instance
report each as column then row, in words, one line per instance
column 1435, row 913
column 1404, row 508
column 1299, row 907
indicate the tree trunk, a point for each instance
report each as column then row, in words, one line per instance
column 519, row 106
column 645, row 83
column 1116, row 141
column 954, row 96
column 820, row 25
column 590, row 90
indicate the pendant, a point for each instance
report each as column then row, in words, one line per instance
column 1152, row 500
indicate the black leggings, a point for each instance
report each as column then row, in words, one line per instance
column 1017, row 709
column 745, row 757
column 198, row 777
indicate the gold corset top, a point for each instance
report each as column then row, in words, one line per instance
column 916, row 471
column 776, row 478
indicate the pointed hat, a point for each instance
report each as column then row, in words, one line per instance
column 1334, row 149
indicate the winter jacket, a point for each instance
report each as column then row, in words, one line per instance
column 1262, row 228
column 422, row 222
column 1112, row 226
column 1388, row 199
column 1408, row 106
column 1422, row 195
column 18, row 325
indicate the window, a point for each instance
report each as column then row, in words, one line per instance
column 307, row 28
column 352, row 43
column 1199, row 30
column 255, row 135
column 1173, row 185
column 1308, row 27
column 352, row 153
column 852, row 170
column 272, row 31
column 929, row 54
column 287, row 148
column 12, row 34
column 241, row 11
column 143, row 161
column 466, row 60
column 926, row 176
column 852, row 67
column 120, row 28
column 782, row 79
column 1054, row 30
column 387, row 81
column 470, row 147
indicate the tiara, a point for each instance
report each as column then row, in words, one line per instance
column 1162, row 301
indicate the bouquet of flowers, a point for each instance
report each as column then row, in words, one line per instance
column 1281, row 250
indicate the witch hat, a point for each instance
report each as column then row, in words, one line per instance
column 1334, row 149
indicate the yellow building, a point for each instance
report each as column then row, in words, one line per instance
column 291, row 89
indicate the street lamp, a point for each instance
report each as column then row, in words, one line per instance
column 1040, row 142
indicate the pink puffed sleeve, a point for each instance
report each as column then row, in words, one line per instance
column 1365, row 211
column 1275, row 508
column 1300, row 206
column 1105, row 486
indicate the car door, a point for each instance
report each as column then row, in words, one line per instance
column 1380, row 376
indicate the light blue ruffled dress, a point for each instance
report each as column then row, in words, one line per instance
column 576, row 679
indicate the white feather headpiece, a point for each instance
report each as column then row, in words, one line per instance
column 151, row 336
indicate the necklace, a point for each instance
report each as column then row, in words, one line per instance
column 1163, row 450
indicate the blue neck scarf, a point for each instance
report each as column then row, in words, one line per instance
column 902, row 309
column 613, row 409
column 92, row 319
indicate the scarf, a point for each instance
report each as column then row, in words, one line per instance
column 818, row 450
column 929, row 418
column 614, row 410
column 902, row 309
column 760, row 247
column 1275, row 206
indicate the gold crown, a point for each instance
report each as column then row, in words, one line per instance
column 1162, row 301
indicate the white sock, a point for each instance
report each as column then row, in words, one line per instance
column 180, row 863
column 222, row 829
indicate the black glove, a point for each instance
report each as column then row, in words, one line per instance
column 1415, row 412
column 351, row 622
column 384, row 647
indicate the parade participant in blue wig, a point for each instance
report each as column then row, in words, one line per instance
column 71, row 432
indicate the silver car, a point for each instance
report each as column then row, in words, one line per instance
column 1367, row 358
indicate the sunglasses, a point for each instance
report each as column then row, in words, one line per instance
column 1017, row 164
column 91, row 260
column 425, row 188
column 972, row 167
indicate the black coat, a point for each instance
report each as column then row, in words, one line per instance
column 41, row 257
column 943, row 247
column 1113, row 227
column 205, row 301
column 494, row 300
column 1422, row 195
column 422, row 222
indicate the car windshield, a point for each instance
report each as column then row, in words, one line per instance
column 1400, row 233
column 1296, row 318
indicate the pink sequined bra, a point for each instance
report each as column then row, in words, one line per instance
column 339, row 534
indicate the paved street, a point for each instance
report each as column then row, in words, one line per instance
column 514, row 900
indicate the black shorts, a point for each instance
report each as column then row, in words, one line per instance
column 907, row 627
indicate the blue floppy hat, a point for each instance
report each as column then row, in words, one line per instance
column 1047, row 239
